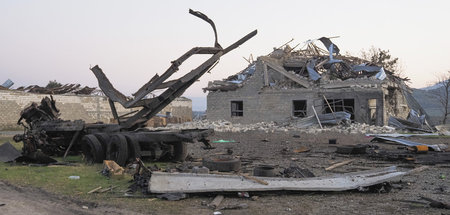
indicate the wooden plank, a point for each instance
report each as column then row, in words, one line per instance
column 282, row 71
column 216, row 201
column 339, row 164
column 266, row 75
column 95, row 190
column 255, row 179
column 317, row 117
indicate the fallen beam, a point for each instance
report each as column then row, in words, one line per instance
column 161, row 182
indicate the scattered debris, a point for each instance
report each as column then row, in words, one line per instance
column 436, row 204
column 243, row 195
column 324, row 119
column 293, row 171
column 415, row 122
column 74, row 177
column 235, row 206
column 110, row 188
column 111, row 168
column 302, row 149
column 223, row 141
column 443, row 129
column 226, row 126
column 436, row 147
column 7, row 84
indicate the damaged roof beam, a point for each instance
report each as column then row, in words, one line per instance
column 282, row 71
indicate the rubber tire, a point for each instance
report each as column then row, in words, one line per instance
column 264, row 171
column 118, row 149
column 351, row 149
column 134, row 150
column 103, row 138
column 180, row 151
column 92, row 149
column 222, row 163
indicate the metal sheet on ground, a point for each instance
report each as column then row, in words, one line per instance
column 161, row 182
column 8, row 153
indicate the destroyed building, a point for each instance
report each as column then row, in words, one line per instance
column 290, row 84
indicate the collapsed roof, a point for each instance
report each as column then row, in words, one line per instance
column 67, row 88
column 307, row 67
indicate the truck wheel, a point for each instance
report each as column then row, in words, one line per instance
column 92, row 149
column 222, row 163
column 103, row 138
column 264, row 171
column 118, row 149
column 134, row 150
column 179, row 151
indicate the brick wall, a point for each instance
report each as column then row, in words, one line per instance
column 72, row 107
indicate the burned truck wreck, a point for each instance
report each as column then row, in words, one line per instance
column 128, row 139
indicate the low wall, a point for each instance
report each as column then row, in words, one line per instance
column 88, row 108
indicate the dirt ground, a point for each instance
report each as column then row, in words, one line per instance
column 275, row 149
column 28, row 200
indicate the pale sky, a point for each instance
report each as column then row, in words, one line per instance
column 131, row 41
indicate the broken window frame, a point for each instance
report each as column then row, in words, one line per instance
column 346, row 105
column 237, row 108
column 301, row 112
column 372, row 113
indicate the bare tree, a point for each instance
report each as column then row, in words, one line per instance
column 443, row 93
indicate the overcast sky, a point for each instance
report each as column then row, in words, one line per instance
column 131, row 41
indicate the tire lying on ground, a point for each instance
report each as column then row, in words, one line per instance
column 222, row 163
column 118, row 149
column 264, row 171
column 92, row 149
column 351, row 149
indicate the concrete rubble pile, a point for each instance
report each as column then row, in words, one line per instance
column 225, row 126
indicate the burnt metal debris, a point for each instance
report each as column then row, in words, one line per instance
column 8, row 153
column 127, row 140
column 67, row 88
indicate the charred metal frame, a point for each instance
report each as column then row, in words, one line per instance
column 127, row 140
column 175, row 88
